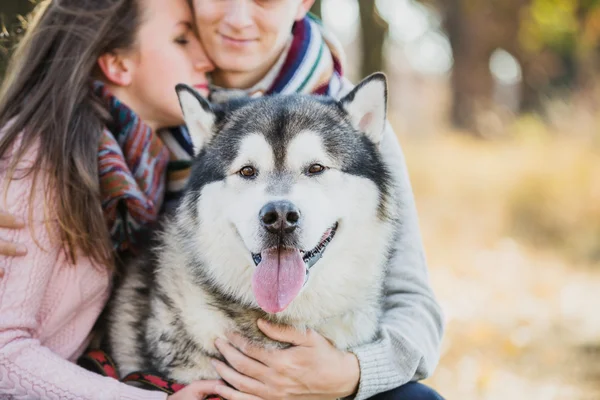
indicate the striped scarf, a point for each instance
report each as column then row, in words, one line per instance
column 312, row 64
column 131, row 163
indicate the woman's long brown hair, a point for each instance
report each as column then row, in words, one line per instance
column 48, row 99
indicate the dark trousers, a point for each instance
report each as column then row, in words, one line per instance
column 410, row 391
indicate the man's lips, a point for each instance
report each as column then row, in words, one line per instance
column 236, row 41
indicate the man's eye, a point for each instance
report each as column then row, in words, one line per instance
column 267, row 2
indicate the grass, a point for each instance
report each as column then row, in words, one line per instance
column 541, row 190
column 511, row 229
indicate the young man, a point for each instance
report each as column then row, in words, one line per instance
column 270, row 46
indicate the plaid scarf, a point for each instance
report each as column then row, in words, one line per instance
column 132, row 162
column 312, row 64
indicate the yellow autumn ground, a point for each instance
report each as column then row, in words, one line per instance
column 512, row 233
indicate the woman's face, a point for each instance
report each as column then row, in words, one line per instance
column 167, row 53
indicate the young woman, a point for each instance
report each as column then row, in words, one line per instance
column 81, row 163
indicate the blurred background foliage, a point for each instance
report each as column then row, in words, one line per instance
column 536, row 48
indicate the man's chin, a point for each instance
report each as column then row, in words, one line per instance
column 239, row 63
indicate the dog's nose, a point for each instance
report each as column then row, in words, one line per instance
column 279, row 216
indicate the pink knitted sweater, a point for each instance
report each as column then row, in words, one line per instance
column 47, row 309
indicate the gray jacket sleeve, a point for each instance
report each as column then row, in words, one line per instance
column 408, row 345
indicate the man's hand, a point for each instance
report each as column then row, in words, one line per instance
column 311, row 369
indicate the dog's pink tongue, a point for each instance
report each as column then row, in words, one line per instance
column 278, row 279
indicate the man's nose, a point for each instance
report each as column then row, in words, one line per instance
column 239, row 14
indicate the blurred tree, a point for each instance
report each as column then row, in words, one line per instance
column 471, row 79
column 557, row 43
column 475, row 29
column 9, row 21
column 374, row 30
column 561, row 40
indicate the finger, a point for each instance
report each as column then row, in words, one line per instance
column 12, row 250
column 256, row 352
column 9, row 221
column 285, row 334
column 241, row 362
column 241, row 382
column 203, row 388
column 232, row 394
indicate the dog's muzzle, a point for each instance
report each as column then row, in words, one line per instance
column 310, row 257
column 282, row 271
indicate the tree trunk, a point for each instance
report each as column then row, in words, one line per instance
column 472, row 81
column 475, row 29
column 374, row 30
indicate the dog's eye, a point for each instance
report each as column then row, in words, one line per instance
column 315, row 169
column 248, row 172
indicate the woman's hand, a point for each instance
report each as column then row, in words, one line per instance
column 311, row 369
column 196, row 390
column 9, row 221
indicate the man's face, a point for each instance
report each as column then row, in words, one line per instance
column 247, row 35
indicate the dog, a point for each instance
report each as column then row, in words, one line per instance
column 289, row 215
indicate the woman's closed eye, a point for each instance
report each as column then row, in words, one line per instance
column 185, row 29
column 182, row 40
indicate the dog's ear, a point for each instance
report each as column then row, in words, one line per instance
column 198, row 115
column 367, row 106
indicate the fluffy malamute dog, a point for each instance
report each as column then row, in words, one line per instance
column 289, row 215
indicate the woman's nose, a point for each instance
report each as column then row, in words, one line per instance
column 204, row 65
column 201, row 61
